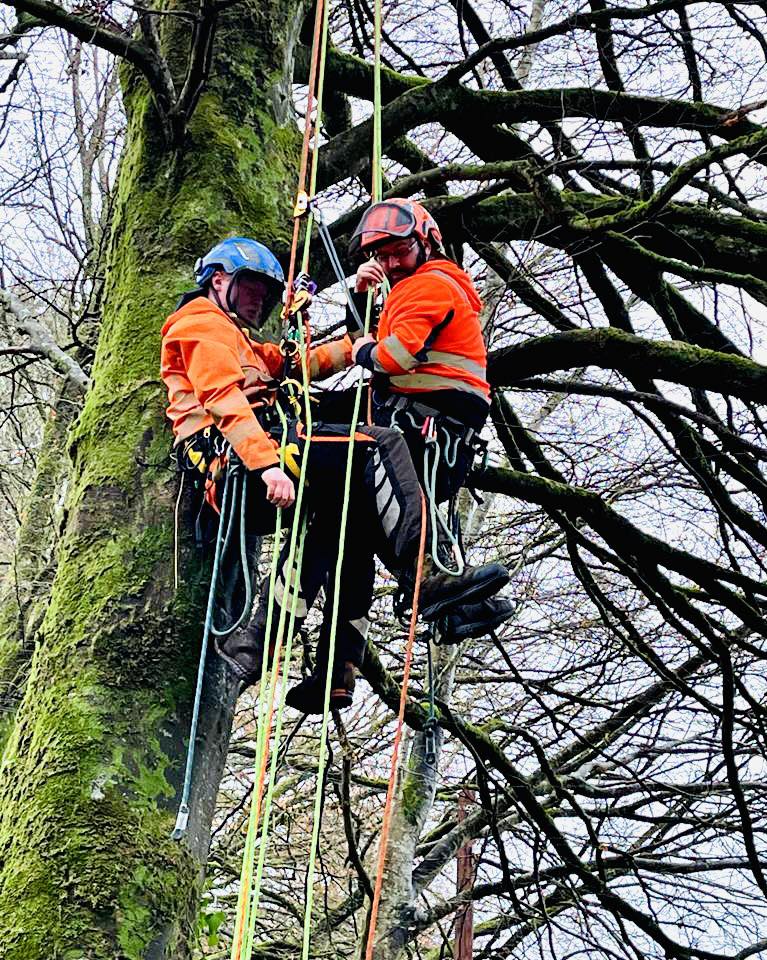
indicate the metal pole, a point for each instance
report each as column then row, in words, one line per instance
column 465, row 876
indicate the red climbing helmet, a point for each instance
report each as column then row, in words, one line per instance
column 393, row 219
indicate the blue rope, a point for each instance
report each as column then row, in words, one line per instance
column 182, row 818
column 241, row 496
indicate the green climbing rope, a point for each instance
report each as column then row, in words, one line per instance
column 376, row 195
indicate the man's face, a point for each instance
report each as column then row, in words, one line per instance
column 399, row 258
column 246, row 297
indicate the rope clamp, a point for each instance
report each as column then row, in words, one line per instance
column 293, row 389
column 299, row 301
column 430, row 742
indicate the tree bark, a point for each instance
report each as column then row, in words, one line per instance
column 90, row 777
column 28, row 587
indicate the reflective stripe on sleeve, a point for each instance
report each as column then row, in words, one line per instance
column 401, row 356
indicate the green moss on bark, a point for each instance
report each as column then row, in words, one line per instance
column 90, row 775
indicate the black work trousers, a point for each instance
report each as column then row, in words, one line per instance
column 384, row 518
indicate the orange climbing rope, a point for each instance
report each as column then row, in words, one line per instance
column 389, row 805
column 241, row 945
column 302, row 198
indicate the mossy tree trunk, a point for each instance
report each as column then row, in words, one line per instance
column 91, row 773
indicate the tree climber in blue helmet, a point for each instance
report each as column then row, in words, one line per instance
column 223, row 384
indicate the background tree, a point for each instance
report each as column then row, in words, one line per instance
column 604, row 167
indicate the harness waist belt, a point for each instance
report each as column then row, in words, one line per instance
column 401, row 402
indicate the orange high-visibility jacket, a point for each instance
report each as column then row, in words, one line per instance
column 207, row 363
column 429, row 337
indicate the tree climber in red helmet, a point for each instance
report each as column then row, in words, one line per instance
column 428, row 360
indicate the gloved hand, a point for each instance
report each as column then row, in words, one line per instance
column 359, row 343
column 279, row 487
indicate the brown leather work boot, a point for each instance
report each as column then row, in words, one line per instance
column 308, row 696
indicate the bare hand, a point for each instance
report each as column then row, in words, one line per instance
column 360, row 342
column 279, row 487
column 370, row 274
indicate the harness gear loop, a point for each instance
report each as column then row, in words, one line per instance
column 435, row 514
column 236, row 472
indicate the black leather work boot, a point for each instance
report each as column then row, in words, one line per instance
column 441, row 593
column 308, row 696
column 475, row 620
column 243, row 652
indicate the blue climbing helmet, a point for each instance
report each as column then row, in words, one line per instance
column 241, row 253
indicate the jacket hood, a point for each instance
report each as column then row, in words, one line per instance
column 190, row 308
column 455, row 273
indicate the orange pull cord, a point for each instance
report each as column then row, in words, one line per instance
column 311, row 99
column 389, row 805
column 259, row 789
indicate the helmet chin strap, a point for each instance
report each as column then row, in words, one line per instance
column 232, row 306
column 422, row 255
column 225, row 309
